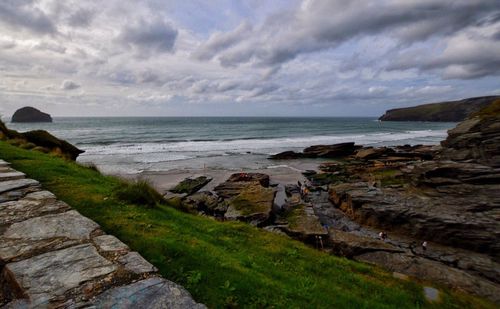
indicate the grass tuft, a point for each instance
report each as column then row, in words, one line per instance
column 139, row 193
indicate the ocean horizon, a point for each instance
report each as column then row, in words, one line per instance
column 130, row 145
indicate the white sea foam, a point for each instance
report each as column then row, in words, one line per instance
column 161, row 152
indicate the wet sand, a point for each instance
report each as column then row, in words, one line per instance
column 281, row 173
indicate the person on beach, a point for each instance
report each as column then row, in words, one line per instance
column 424, row 246
column 382, row 235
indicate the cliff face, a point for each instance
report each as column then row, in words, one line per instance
column 477, row 138
column 452, row 111
column 30, row 114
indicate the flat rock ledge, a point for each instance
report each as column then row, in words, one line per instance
column 53, row 257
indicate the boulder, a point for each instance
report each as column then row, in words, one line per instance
column 371, row 153
column 330, row 151
column 263, row 179
column 30, row 114
column 204, row 202
column 238, row 181
column 191, row 185
column 319, row 151
column 287, row 155
column 253, row 204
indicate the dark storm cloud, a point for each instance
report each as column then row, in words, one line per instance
column 150, row 35
column 320, row 25
column 220, row 41
column 465, row 57
column 22, row 13
column 69, row 85
column 81, row 18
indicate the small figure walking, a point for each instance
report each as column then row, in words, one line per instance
column 424, row 246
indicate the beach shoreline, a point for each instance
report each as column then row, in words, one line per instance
column 281, row 172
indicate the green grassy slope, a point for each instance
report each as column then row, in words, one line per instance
column 226, row 264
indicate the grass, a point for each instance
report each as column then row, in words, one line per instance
column 139, row 193
column 389, row 177
column 225, row 264
column 492, row 110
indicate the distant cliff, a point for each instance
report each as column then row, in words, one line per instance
column 452, row 111
column 30, row 114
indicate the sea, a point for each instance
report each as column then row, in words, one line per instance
column 141, row 144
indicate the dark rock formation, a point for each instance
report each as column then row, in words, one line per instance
column 330, row 151
column 45, row 139
column 253, row 204
column 40, row 140
column 287, row 155
column 319, row 151
column 477, row 138
column 30, row 114
column 448, row 218
column 243, row 197
column 191, row 185
column 262, row 179
column 452, row 111
column 247, row 197
column 204, row 202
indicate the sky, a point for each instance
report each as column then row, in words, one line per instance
column 245, row 58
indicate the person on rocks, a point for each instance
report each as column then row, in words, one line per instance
column 382, row 235
column 305, row 194
column 424, row 246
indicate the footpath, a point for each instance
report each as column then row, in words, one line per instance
column 53, row 257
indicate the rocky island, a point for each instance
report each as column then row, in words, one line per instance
column 30, row 114
column 452, row 111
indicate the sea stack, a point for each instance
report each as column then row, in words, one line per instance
column 30, row 114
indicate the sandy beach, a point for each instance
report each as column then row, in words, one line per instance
column 280, row 172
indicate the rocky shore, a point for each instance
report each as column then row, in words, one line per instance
column 438, row 205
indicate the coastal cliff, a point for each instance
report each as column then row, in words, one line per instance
column 452, row 111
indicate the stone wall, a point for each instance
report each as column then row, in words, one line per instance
column 52, row 256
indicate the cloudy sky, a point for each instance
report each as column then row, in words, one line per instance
column 244, row 58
